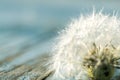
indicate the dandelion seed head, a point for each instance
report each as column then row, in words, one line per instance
column 76, row 42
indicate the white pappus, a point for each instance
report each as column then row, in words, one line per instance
column 88, row 49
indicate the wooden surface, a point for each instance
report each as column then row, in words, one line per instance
column 22, row 58
column 30, row 70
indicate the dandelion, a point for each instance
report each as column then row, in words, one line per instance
column 88, row 49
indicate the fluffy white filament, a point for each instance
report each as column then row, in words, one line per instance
column 76, row 40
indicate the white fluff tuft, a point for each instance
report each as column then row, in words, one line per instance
column 76, row 40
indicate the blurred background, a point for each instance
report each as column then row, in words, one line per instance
column 28, row 28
